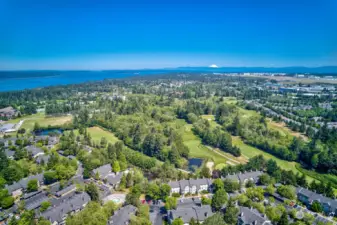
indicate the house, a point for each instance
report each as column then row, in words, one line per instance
column 66, row 190
column 175, row 187
column 199, row 185
column 16, row 188
column 8, row 112
column 7, row 128
column 58, row 214
column 51, row 140
column 198, row 213
column 102, row 171
column 122, row 216
column 114, row 179
column 250, row 216
column 184, row 186
column 308, row 197
column 243, row 178
column 34, row 201
column 42, row 159
column 34, row 151
column 9, row 153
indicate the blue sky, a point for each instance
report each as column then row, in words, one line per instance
column 108, row 34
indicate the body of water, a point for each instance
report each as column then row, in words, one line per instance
column 10, row 81
column 48, row 131
column 17, row 80
column 194, row 163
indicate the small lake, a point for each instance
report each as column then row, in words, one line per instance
column 49, row 132
column 194, row 163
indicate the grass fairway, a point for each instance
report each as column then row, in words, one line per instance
column 250, row 151
column 197, row 149
column 40, row 118
column 97, row 133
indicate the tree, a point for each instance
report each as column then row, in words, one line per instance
column 219, row 199
column 165, row 191
column 115, row 166
column 153, row 191
column 45, row 206
column 37, row 126
column 206, row 201
column 50, row 177
column 7, row 202
column 218, row 184
column 205, row 172
column 316, row 207
column 231, row 214
column 33, row 185
column 177, row 221
column 287, row 191
column 284, row 219
column 231, row 185
column 216, row 219
column 170, row 203
column 92, row 190
column 265, row 179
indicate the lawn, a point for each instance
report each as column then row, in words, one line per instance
column 43, row 120
column 197, row 149
column 97, row 133
column 250, row 151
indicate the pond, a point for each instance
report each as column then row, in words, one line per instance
column 194, row 163
column 48, row 132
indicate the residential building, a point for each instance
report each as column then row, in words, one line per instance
column 16, row 189
column 175, row 187
column 58, row 214
column 8, row 112
column 250, row 216
column 198, row 213
column 243, row 178
column 122, row 216
column 308, row 197
column 34, row 201
column 184, row 187
column 34, row 151
column 199, row 185
column 102, row 171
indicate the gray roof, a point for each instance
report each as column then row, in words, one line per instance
column 24, row 182
column 252, row 216
column 66, row 190
column 186, row 214
column 42, row 158
column 245, row 176
column 103, row 171
column 114, row 179
column 312, row 196
column 59, row 212
column 35, row 201
column 174, row 184
column 250, row 175
column 6, row 127
column 199, row 182
column 34, row 150
column 122, row 216
column 9, row 153
column 31, row 194
column 184, row 183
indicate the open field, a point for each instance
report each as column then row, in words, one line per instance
column 40, row 118
column 97, row 133
column 197, row 149
column 282, row 127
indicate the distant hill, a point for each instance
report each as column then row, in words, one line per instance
column 296, row 69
